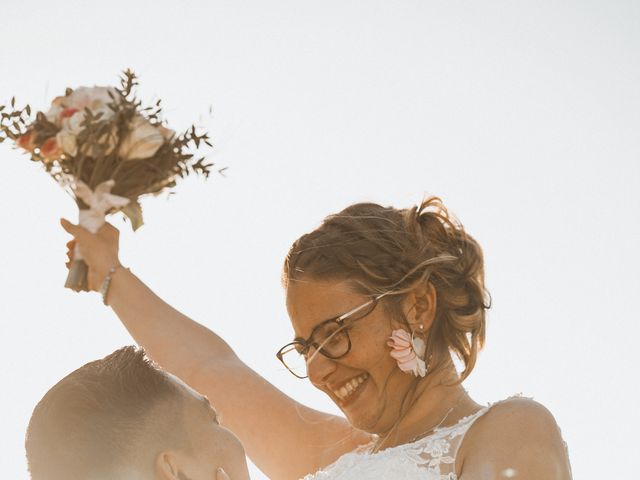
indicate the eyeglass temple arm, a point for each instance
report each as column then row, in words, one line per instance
column 360, row 307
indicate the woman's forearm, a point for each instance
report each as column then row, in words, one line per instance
column 171, row 339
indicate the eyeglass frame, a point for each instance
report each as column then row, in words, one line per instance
column 340, row 319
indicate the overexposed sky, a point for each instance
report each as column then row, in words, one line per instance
column 523, row 116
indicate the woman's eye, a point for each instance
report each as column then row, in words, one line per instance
column 336, row 337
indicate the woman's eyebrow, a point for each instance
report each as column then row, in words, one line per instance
column 313, row 330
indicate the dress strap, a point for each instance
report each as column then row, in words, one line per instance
column 464, row 426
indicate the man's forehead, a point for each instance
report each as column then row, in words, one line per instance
column 193, row 394
column 188, row 389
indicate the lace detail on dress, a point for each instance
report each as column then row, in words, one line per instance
column 430, row 458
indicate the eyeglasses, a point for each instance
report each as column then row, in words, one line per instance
column 330, row 338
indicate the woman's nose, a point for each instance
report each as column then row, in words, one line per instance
column 319, row 367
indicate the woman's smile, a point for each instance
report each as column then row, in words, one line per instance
column 349, row 391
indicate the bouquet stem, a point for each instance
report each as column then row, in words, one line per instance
column 77, row 277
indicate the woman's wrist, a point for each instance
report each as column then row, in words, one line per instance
column 106, row 283
column 101, row 268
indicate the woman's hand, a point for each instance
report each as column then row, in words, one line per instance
column 99, row 251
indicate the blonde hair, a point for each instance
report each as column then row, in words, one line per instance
column 384, row 249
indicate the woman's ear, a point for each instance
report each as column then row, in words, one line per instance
column 167, row 466
column 420, row 306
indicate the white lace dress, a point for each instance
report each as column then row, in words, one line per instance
column 430, row 458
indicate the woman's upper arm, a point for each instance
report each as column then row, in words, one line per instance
column 517, row 439
column 284, row 438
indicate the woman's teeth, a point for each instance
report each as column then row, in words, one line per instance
column 351, row 386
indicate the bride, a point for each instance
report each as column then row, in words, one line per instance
column 380, row 299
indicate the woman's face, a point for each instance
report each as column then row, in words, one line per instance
column 370, row 378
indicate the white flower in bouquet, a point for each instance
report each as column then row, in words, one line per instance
column 144, row 139
column 95, row 99
column 68, row 113
column 67, row 142
column 71, row 128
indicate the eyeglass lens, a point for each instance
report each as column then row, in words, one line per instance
column 331, row 339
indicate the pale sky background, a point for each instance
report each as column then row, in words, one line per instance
column 523, row 116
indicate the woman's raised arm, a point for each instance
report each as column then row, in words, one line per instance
column 283, row 438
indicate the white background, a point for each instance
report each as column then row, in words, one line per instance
column 523, row 116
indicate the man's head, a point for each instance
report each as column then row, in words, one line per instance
column 121, row 417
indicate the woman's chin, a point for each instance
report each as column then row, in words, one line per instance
column 367, row 413
column 364, row 419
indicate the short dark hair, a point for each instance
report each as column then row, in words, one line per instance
column 95, row 421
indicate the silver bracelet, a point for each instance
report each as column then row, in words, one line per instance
column 106, row 283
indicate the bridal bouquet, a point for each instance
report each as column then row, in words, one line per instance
column 106, row 150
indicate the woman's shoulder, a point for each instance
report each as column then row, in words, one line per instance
column 516, row 419
column 518, row 434
column 518, row 411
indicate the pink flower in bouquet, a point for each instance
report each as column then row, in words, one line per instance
column 144, row 139
column 27, row 141
column 50, row 150
column 68, row 112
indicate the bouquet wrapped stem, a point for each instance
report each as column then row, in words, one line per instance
column 77, row 279
column 93, row 207
column 78, row 276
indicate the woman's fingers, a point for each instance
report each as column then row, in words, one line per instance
column 68, row 226
column 106, row 232
column 71, row 245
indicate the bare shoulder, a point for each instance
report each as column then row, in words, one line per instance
column 517, row 438
column 517, row 416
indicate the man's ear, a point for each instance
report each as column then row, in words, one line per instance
column 167, row 466
column 420, row 305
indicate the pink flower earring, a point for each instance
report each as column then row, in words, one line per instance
column 408, row 351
